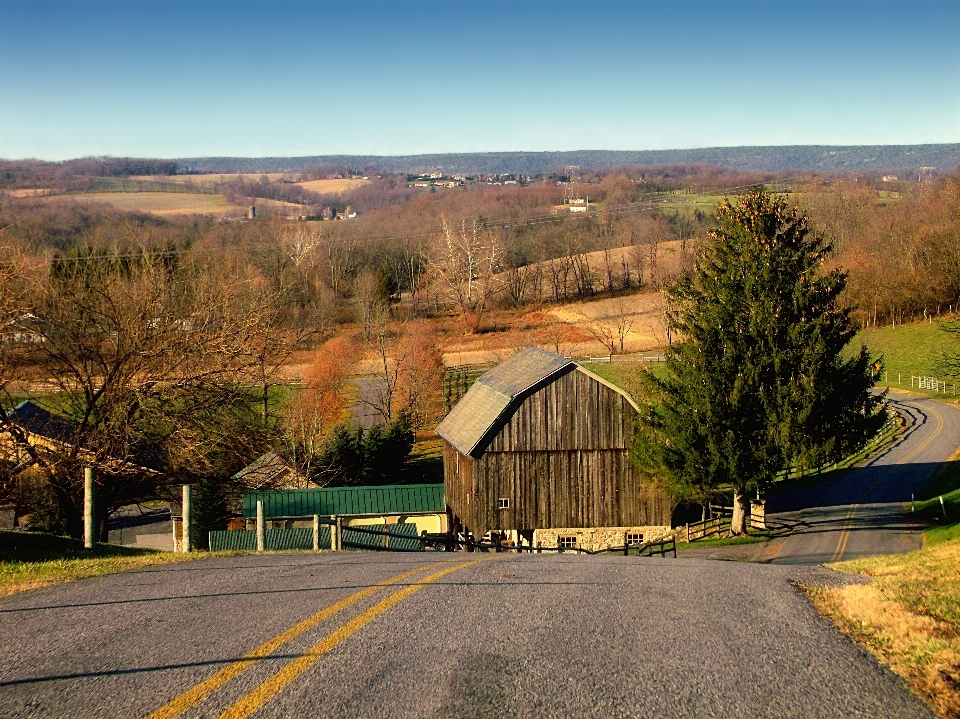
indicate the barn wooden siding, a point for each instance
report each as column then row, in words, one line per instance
column 562, row 459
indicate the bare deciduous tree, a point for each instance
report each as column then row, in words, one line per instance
column 141, row 353
column 465, row 261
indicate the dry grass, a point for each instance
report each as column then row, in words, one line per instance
column 333, row 187
column 18, row 577
column 159, row 203
column 642, row 315
column 30, row 192
column 908, row 617
column 30, row 561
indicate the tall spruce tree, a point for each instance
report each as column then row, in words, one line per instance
column 757, row 383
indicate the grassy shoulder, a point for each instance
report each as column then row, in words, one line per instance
column 30, row 561
column 753, row 537
column 908, row 616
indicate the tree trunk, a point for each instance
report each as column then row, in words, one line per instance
column 741, row 510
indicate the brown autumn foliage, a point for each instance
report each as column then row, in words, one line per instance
column 322, row 402
column 420, row 381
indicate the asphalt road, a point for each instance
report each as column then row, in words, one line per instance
column 503, row 636
column 860, row 513
column 468, row 635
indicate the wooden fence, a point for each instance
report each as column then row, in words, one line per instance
column 933, row 384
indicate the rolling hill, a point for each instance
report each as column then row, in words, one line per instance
column 823, row 158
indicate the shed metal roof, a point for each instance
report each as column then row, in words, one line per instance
column 385, row 499
column 491, row 397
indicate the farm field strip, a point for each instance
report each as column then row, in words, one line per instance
column 158, row 203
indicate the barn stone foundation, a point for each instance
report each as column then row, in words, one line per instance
column 598, row 538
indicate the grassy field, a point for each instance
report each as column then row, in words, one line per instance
column 913, row 348
column 688, row 204
column 30, row 561
column 333, row 187
column 627, row 375
column 159, row 203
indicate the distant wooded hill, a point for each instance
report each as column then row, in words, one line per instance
column 823, row 158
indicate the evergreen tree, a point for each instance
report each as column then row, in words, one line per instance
column 757, row 383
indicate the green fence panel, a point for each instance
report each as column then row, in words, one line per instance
column 409, row 529
column 235, row 541
column 274, row 539
column 384, row 540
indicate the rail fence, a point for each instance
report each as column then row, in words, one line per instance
column 887, row 434
column 327, row 533
column 933, row 384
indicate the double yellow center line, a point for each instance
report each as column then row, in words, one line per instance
column 851, row 515
column 845, row 533
column 256, row 698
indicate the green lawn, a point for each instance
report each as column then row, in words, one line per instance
column 626, row 375
column 909, row 350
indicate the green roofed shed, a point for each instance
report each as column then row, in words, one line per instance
column 386, row 499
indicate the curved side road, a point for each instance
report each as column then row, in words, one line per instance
column 861, row 513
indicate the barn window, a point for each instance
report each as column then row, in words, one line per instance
column 503, row 503
column 634, row 538
column 567, row 542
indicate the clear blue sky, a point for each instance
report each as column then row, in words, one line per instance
column 177, row 79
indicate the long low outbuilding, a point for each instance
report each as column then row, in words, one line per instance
column 419, row 504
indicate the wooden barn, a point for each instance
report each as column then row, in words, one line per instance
column 539, row 450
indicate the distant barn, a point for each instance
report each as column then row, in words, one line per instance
column 539, row 449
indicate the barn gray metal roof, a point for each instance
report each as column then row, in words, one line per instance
column 496, row 393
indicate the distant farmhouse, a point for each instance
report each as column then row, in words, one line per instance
column 538, row 450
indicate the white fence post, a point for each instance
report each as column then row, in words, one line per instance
column 316, row 533
column 335, row 533
column 186, row 543
column 88, row 508
column 261, row 527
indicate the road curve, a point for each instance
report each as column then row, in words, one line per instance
column 860, row 513
column 506, row 636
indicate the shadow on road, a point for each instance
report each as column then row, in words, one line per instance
column 873, row 484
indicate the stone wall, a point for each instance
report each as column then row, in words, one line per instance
column 598, row 538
